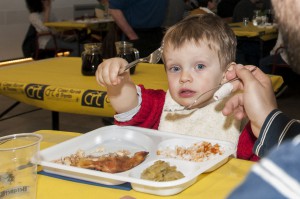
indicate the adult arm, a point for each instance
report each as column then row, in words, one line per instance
column 275, row 176
column 258, row 103
column 276, row 128
column 47, row 10
column 279, row 43
column 36, row 20
column 123, row 23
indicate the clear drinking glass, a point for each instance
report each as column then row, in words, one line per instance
column 263, row 20
column 126, row 51
column 91, row 58
column 18, row 165
column 256, row 19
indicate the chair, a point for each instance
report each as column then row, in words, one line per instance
column 30, row 45
column 47, row 52
column 276, row 65
column 282, row 69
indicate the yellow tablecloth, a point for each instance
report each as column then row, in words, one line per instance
column 216, row 184
column 57, row 84
column 82, row 24
column 264, row 33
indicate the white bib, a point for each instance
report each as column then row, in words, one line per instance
column 206, row 122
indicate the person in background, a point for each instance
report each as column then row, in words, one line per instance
column 141, row 22
column 191, row 4
column 267, row 5
column 40, row 12
column 101, row 9
column 188, row 48
column 266, row 63
column 205, row 6
column 103, row 4
column 278, row 56
column 277, row 174
column 248, row 52
column 175, row 13
column 225, row 9
column 245, row 8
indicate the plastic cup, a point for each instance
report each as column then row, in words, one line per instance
column 18, row 165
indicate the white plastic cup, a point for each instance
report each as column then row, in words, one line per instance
column 18, row 165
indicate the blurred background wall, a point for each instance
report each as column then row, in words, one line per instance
column 14, row 23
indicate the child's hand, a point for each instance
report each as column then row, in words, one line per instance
column 119, row 86
column 109, row 72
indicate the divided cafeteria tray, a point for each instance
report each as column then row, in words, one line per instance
column 133, row 139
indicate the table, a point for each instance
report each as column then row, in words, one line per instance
column 216, row 184
column 265, row 36
column 56, row 84
column 79, row 24
column 264, row 33
column 83, row 27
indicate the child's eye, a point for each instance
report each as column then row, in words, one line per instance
column 200, row 66
column 174, row 69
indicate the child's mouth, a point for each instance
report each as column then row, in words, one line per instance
column 186, row 93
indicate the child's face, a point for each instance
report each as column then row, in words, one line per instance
column 192, row 70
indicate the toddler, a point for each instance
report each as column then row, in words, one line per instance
column 197, row 52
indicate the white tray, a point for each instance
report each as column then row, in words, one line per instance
column 115, row 138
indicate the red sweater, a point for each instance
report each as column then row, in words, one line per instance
column 151, row 109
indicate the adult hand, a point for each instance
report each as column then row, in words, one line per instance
column 256, row 99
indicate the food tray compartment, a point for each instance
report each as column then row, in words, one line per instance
column 188, row 169
column 112, row 139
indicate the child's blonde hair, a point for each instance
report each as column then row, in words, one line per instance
column 207, row 29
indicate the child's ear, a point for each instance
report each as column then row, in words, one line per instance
column 229, row 68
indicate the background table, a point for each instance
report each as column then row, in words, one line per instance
column 266, row 36
column 57, row 85
column 216, row 184
column 83, row 28
column 79, row 24
column 264, row 32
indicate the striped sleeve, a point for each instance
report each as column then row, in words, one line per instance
column 276, row 128
column 275, row 176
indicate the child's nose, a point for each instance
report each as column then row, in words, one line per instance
column 185, row 77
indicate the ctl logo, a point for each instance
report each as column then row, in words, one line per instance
column 35, row 91
column 93, row 98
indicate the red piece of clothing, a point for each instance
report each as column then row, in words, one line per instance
column 151, row 110
column 246, row 144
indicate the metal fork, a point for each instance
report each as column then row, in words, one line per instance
column 153, row 58
column 208, row 91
